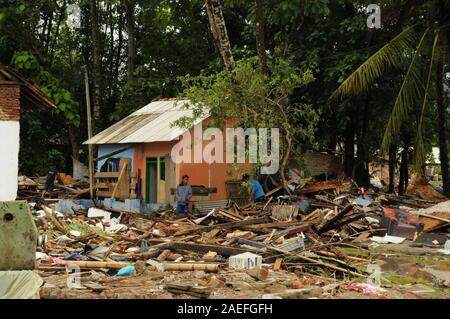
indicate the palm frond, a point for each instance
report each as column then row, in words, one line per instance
column 419, row 147
column 390, row 55
column 410, row 92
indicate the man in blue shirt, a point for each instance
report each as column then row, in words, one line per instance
column 183, row 195
column 256, row 190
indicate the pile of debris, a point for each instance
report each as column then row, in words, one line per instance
column 286, row 247
column 66, row 187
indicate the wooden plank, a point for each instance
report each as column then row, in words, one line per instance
column 324, row 199
column 106, row 175
column 223, row 226
column 434, row 221
column 314, row 187
column 123, row 191
column 273, row 191
column 104, row 185
column 120, row 180
column 277, row 264
column 228, row 215
column 104, row 194
column 275, row 225
column 201, row 248
column 329, row 225
column 112, row 175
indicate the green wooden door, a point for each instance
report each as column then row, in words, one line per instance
column 151, row 180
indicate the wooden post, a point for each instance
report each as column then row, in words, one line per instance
column 89, row 125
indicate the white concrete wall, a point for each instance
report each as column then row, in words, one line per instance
column 9, row 159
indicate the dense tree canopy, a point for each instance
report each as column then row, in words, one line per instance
column 361, row 88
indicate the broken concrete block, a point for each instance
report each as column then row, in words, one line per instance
column 245, row 261
column 163, row 256
column 259, row 273
column 296, row 284
column 140, row 267
column 215, row 282
column 210, row 256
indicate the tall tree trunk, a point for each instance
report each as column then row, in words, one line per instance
column 62, row 13
column 349, row 150
column 404, row 176
column 443, row 133
column 110, row 54
column 49, row 31
column 96, row 64
column 440, row 99
column 293, row 30
column 44, row 29
column 129, row 6
column 73, row 138
column 119, row 44
column 361, row 169
column 392, row 163
column 260, row 36
column 220, row 35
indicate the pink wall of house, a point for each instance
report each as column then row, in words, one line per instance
column 208, row 175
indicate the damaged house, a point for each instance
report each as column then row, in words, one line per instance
column 136, row 153
column 17, row 94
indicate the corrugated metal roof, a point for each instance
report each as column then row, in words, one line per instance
column 152, row 123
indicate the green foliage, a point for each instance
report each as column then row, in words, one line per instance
column 254, row 99
column 408, row 96
column 37, row 151
column 390, row 55
column 51, row 86
column 24, row 60
column 419, row 145
column 176, row 56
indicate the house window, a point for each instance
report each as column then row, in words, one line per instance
column 162, row 168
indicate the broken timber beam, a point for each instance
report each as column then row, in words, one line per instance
column 273, row 191
column 314, row 261
column 236, row 224
column 201, row 248
column 328, row 225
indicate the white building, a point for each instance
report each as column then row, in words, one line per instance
column 17, row 94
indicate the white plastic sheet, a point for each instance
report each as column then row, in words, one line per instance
column 23, row 284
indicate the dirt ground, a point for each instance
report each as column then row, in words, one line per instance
column 406, row 272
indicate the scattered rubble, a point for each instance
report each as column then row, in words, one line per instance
column 66, row 187
column 280, row 248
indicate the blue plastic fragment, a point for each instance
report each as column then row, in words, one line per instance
column 126, row 271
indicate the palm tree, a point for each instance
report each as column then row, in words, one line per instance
column 423, row 46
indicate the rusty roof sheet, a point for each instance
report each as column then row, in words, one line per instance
column 32, row 94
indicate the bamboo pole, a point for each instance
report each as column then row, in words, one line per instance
column 167, row 266
column 89, row 126
column 96, row 264
column 191, row 267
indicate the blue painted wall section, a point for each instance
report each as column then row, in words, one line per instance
column 109, row 148
column 129, row 205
